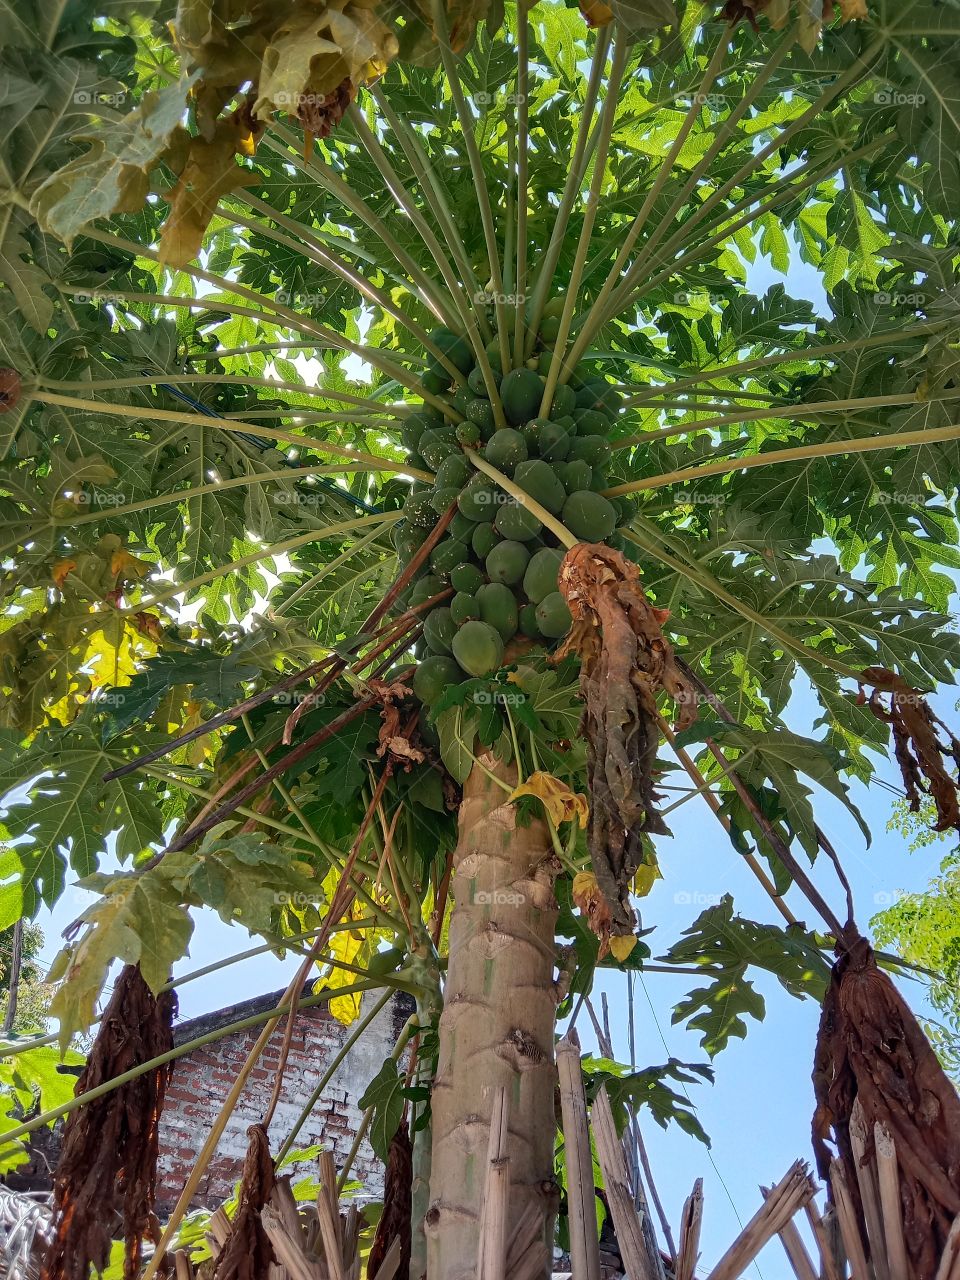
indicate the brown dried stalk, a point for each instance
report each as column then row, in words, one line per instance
column 871, row 1050
column 919, row 751
column 625, row 661
column 108, row 1163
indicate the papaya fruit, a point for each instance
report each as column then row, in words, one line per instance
column 553, row 616
column 434, row 674
column 466, row 577
column 528, row 624
column 484, row 539
column 554, row 306
column 385, row 962
column 507, row 562
column 589, row 516
column 456, row 348
column 591, row 423
column 478, row 500
column 439, row 629
column 521, row 392
column 461, row 398
column 540, row 480
column 594, row 450
column 428, row 586
column 505, row 449
column 464, row 607
column 468, row 434
column 477, row 383
column 540, row 577
column 443, row 497
column 481, row 412
column 601, row 396
column 461, row 528
column 575, row 475
column 436, row 379
column 515, row 522
column 428, row 730
column 478, row 648
column 445, row 556
column 493, row 355
column 437, row 444
column 564, row 400
column 550, row 328
column 418, row 510
column 498, row 608
column 554, row 442
column 453, row 472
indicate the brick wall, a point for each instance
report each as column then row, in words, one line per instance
column 202, row 1079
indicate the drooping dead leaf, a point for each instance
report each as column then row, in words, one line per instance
column 320, row 115
column 209, row 170
column 397, row 1202
column 60, row 571
column 919, row 751
column 594, row 907
column 393, row 742
column 562, row 804
column 315, row 50
column 810, row 16
column 625, row 661
column 871, row 1049
column 108, row 1162
column 129, row 568
column 247, row 1253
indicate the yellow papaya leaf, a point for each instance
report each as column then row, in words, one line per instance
column 351, row 946
column 647, row 874
column 562, row 804
column 210, row 171
column 853, row 9
column 60, row 571
column 596, row 12
column 621, row 944
column 124, row 565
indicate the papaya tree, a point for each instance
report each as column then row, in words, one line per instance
column 401, row 476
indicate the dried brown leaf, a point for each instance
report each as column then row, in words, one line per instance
column 107, row 1172
column 625, row 662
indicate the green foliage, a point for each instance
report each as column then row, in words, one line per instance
column 726, row 946
column 385, row 1093
column 629, row 1090
column 924, row 928
column 32, row 1082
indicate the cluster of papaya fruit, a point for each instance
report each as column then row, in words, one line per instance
column 499, row 559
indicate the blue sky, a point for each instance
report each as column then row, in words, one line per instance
column 759, row 1110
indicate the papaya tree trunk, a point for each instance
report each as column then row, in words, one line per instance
column 497, row 1025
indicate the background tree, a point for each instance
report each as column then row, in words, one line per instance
column 216, row 467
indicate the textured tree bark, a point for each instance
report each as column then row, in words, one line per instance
column 497, row 1026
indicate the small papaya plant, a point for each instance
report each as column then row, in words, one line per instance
column 394, row 484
